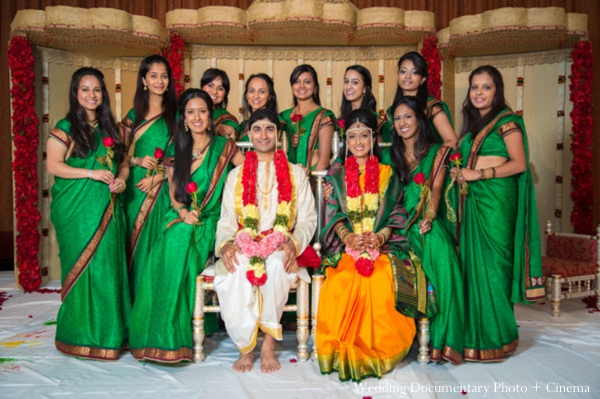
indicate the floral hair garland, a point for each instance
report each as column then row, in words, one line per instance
column 245, row 238
column 362, row 208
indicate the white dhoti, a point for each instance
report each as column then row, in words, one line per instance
column 246, row 308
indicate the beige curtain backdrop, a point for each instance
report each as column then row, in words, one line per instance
column 445, row 11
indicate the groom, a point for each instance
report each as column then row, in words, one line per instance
column 268, row 218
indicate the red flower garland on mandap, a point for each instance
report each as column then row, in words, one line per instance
column 582, row 193
column 26, row 140
column 434, row 65
column 174, row 54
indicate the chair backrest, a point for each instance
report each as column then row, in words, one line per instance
column 576, row 247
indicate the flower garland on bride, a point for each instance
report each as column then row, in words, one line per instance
column 362, row 208
column 246, row 238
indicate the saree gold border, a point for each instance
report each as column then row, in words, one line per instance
column 225, row 117
column 228, row 152
column 482, row 135
column 162, row 355
column 312, row 139
column 88, row 352
column 438, row 164
column 86, row 255
column 363, row 368
column 430, row 104
column 64, row 138
column 446, row 353
column 490, row 355
column 507, row 128
column 139, row 132
column 125, row 127
column 140, row 220
column 471, row 163
column 61, row 136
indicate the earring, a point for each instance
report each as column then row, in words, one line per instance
column 145, row 87
column 186, row 127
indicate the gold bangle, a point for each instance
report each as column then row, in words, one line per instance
column 493, row 173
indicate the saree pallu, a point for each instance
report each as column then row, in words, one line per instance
column 359, row 332
column 222, row 116
column 499, row 245
column 437, row 253
column 312, row 123
column 161, row 320
column 93, row 318
column 432, row 109
column 144, row 211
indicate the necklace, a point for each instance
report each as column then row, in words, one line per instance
column 199, row 152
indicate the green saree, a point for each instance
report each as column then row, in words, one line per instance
column 92, row 320
column 499, row 245
column 439, row 259
column 432, row 109
column 144, row 212
column 309, row 140
column 221, row 115
column 161, row 320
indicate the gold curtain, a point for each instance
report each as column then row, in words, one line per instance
column 444, row 10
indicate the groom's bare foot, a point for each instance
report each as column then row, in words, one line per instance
column 244, row 363
column 268, row 361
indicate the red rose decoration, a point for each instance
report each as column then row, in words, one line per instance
column 419, row 178
column 257, row 282
column 296, row 118
column 341, row 123
column 191, row 188
column 364, row 266
column 159, row 153
column 456, row 159
column 26, row 139
column 108, row 142
column 582, row 183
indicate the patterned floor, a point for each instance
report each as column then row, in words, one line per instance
column 559, row 356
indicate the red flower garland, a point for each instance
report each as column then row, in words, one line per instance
column 174, row 54
column 26, row 140
column 434, row 65
column 249, row 179
column 284, row 183
column 582, row 77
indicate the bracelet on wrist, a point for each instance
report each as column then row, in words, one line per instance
column 480, row 175
column 178, row 210
column 90, row 173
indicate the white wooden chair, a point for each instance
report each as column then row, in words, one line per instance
column 204, row 284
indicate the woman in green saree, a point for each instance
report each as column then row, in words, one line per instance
column 216, row 83
column 85, row 153
column 161, row 319
column 260, row 94
column 499, row 233
column 416, row 154
column 358, row 93
column 412, row 81
column 147, row 128
column 310, row 124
